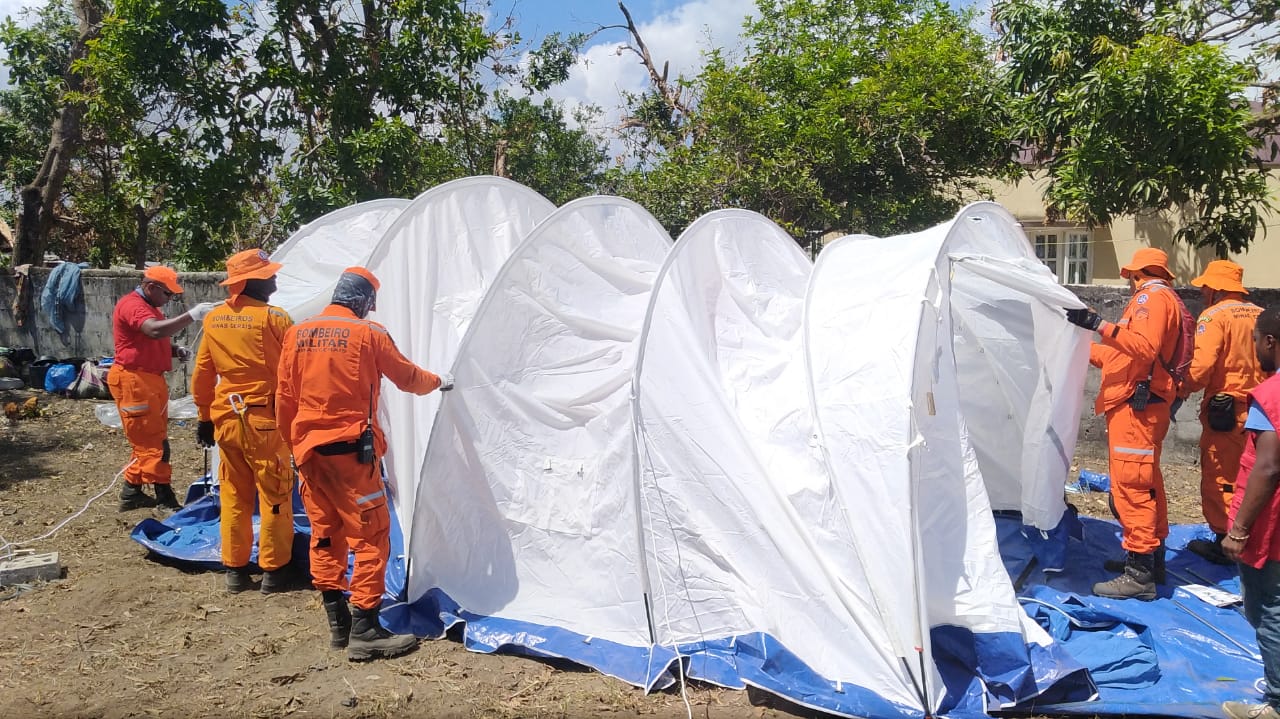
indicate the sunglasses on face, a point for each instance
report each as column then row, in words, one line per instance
column 163, row 289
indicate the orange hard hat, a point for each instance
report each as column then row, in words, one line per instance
column 362, row 272
column 1148, row 258
column 250, row 265
column 165, row 276
column 1222, row 275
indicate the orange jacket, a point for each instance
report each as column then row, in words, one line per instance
column 331, row 374
column 241, row 347
column 1225, row 361
column 1131, row 349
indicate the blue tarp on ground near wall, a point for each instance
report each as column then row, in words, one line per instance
column 1176, row 656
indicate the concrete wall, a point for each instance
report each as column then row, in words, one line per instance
column 1184, row 435
column 1112, row 246
column 89, row 334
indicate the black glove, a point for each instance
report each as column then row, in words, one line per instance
column 204, row 434
column 1173, row 409
column 1085, row 318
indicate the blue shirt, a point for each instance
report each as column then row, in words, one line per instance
column 1257, row 419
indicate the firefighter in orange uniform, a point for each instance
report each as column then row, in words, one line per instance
column 1226, row 368
column 143, row 353
column 1135, row 396
column 331, row 372
column 234, row 387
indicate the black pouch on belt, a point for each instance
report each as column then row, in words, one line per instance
column 1141, row 395
column 364, row 446
column 1220, row 411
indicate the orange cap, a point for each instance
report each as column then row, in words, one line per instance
column 1222, row 275
column 250, row 265
column 165, row 276
column 362, row 272
column 1148, row 258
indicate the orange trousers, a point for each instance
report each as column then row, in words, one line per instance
column 347, row 505
column 254, row 466
column 1220, row 454
column 1137, row 487
column 143, row 401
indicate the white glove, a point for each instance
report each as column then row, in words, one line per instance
column 446, row 382
column 199, row 311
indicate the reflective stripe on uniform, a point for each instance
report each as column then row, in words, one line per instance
column 135, row 408
column 370, row 497
column 1131, row 450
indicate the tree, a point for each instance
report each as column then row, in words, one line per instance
column 174, row 94
column 1132, row 108
column 367, row 90
column 533, row 144
column 41, row 197
column 869, row 115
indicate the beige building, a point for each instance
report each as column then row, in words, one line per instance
column 1083, row 255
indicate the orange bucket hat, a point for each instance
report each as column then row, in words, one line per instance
column 362, row 272
column 1148, row 258
column 250, row 265
column 1222, row 275
column 165, row 276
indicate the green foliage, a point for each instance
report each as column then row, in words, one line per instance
column 540, row 150
column 37, row 55
column 870, row 115
column 367, row 90
column 173, row 93
column 1129, row 110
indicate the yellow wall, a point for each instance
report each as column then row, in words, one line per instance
column 1113, row 246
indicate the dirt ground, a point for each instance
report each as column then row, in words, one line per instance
column 124, row 636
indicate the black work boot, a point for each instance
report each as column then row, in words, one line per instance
column 284, row 579
column 166, row 498
column 335, row 605
column 1136, row 582
column 370, row 641
column 238, row 580
column 132, row 497
column 1158, row 571
column 1210, row 549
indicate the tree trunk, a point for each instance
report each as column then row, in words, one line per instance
column 140, row 237
column 40, row 198
column 144, row 214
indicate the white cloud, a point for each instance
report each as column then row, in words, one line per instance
column 678, row 36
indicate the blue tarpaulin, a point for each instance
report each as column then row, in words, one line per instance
column 1176, row 656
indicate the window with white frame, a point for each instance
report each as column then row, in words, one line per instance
column 1066, row 253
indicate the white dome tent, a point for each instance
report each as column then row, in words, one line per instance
column 316, row 254
column 435, row 264
column 719, row 456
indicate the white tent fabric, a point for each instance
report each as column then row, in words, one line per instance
column 316, row 254
column 524, row 490
column 784, row 473
column 1026, row 364
column 888, row 323
column 435, row 264
column 738, row 511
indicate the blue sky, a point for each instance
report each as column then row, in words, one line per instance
column 676, row 31
column 538, row 17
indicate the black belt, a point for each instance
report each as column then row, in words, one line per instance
column 336, row 448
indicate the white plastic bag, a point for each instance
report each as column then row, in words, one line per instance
column 181, row 408
column 108, row 414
